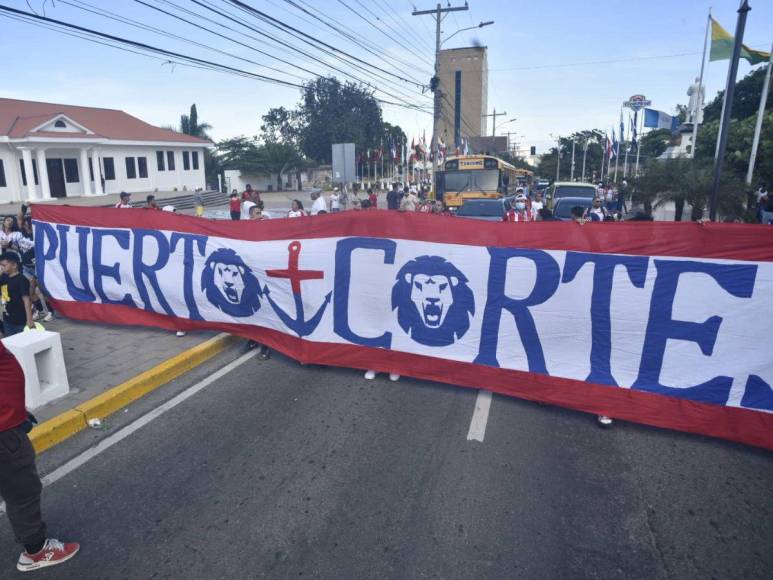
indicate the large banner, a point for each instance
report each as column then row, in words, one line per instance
column 662, row 323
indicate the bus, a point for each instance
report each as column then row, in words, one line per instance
column 479, row 177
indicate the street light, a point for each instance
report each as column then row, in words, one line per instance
column 504, row 123
column 481, row 25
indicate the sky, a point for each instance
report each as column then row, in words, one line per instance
column 556, row 66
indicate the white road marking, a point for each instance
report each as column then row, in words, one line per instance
column 480, row 417
column 124, row 432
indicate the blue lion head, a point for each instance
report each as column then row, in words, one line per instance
column 230, row 285
column 433, row 301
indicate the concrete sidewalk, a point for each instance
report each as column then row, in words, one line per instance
column 99, row 357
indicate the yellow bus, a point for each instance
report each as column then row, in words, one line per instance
column 479, row 177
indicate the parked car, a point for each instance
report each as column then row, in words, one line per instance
column 569, row 189
column 491, row 210
column 562, row 208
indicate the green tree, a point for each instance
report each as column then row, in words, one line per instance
column 189, row 125
column 746, row 100
column 594, row 138
column 653, row 144
column 281, row 125
column 279, row 158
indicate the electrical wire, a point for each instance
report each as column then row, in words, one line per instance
column 404, row 97
column 378, row 18
column 311, row 40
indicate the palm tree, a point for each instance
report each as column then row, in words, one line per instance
column 279, row 158
column 189, row 124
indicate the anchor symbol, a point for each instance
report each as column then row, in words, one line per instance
column 299, row 324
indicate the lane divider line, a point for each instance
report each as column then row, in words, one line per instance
column 480, row 416
column 138, row 423
column 68, row 423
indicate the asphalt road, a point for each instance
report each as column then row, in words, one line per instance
column 280, row 471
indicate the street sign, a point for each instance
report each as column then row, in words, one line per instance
column 637, row 102
column 343, row 162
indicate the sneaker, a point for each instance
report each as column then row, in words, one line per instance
column 48, row 317
column 36, row 314
column 604, row 421
column 265, row 354
column 54, row 552
column 394, row 377
column 370, row 375
column 181, row 333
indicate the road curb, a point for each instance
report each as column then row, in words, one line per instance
column 67, row 424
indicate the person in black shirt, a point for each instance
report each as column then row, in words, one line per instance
column 14, row 295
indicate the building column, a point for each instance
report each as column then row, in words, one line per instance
column 97, row 172
column 84, row 174
column 29, row 172
column 45, row 186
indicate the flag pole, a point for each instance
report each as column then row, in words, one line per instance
column 639, row 129
column 571, row 177
column 617, row 160
column 584, row 155
column 727, row 107
column 760, row 114
column 696, row 113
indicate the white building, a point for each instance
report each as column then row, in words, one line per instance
column 49, row 151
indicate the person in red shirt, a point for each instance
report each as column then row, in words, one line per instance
column 250, row 194
column 373, row 199
column 20, row 484
column 235, row 206
column 519, row 212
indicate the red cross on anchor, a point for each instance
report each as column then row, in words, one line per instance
column 292, row 272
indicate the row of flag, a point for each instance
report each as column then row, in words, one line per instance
column 403, row 154
column 721, row 49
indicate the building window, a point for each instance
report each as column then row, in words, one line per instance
column 195, row 158
column 91, row 170
column 2, row 174
column 142, row 167
column 71, row 171
column 170, row 160
column 24, row 172
column 131, row 168
column 186, row 161
column 61, row 124
column 107, row 163
column 160, row 160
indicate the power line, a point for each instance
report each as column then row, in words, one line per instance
column 225, row 15
column 118, row 18
column 308, row 55
column 282, row 25
column 144, row 46
column 339, row 29
column 196, row 62
column 387, row 24
column 404, row 23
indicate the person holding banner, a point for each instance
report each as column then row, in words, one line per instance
column 519, row 212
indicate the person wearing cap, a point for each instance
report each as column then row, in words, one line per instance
column 519, row 211
column 14, row 295
column 125, row 201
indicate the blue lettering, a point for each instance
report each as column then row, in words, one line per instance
column 600, row 316
column 150, row 271
column 188, row 263
column 343, row 274
column 83, row 294
column 758, row 394
column 545, row 285
column 44, row 232
column 102, row 270
column 737, row 280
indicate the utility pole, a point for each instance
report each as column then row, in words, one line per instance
column 571, row 178
column 727, row 108
column 494, row 122
column 439, row 13
column 584, row 155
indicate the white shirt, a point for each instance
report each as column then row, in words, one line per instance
column 535, row 207
column 246, row 205
column 335, row 200
column 120, row 205
column 319, row 205
column 10, row 239
column 295, row 214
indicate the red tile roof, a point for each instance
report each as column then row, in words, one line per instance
column 18, row 118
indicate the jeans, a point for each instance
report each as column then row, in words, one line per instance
column 236, row 215
column 20, row 487
column 10, row 329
